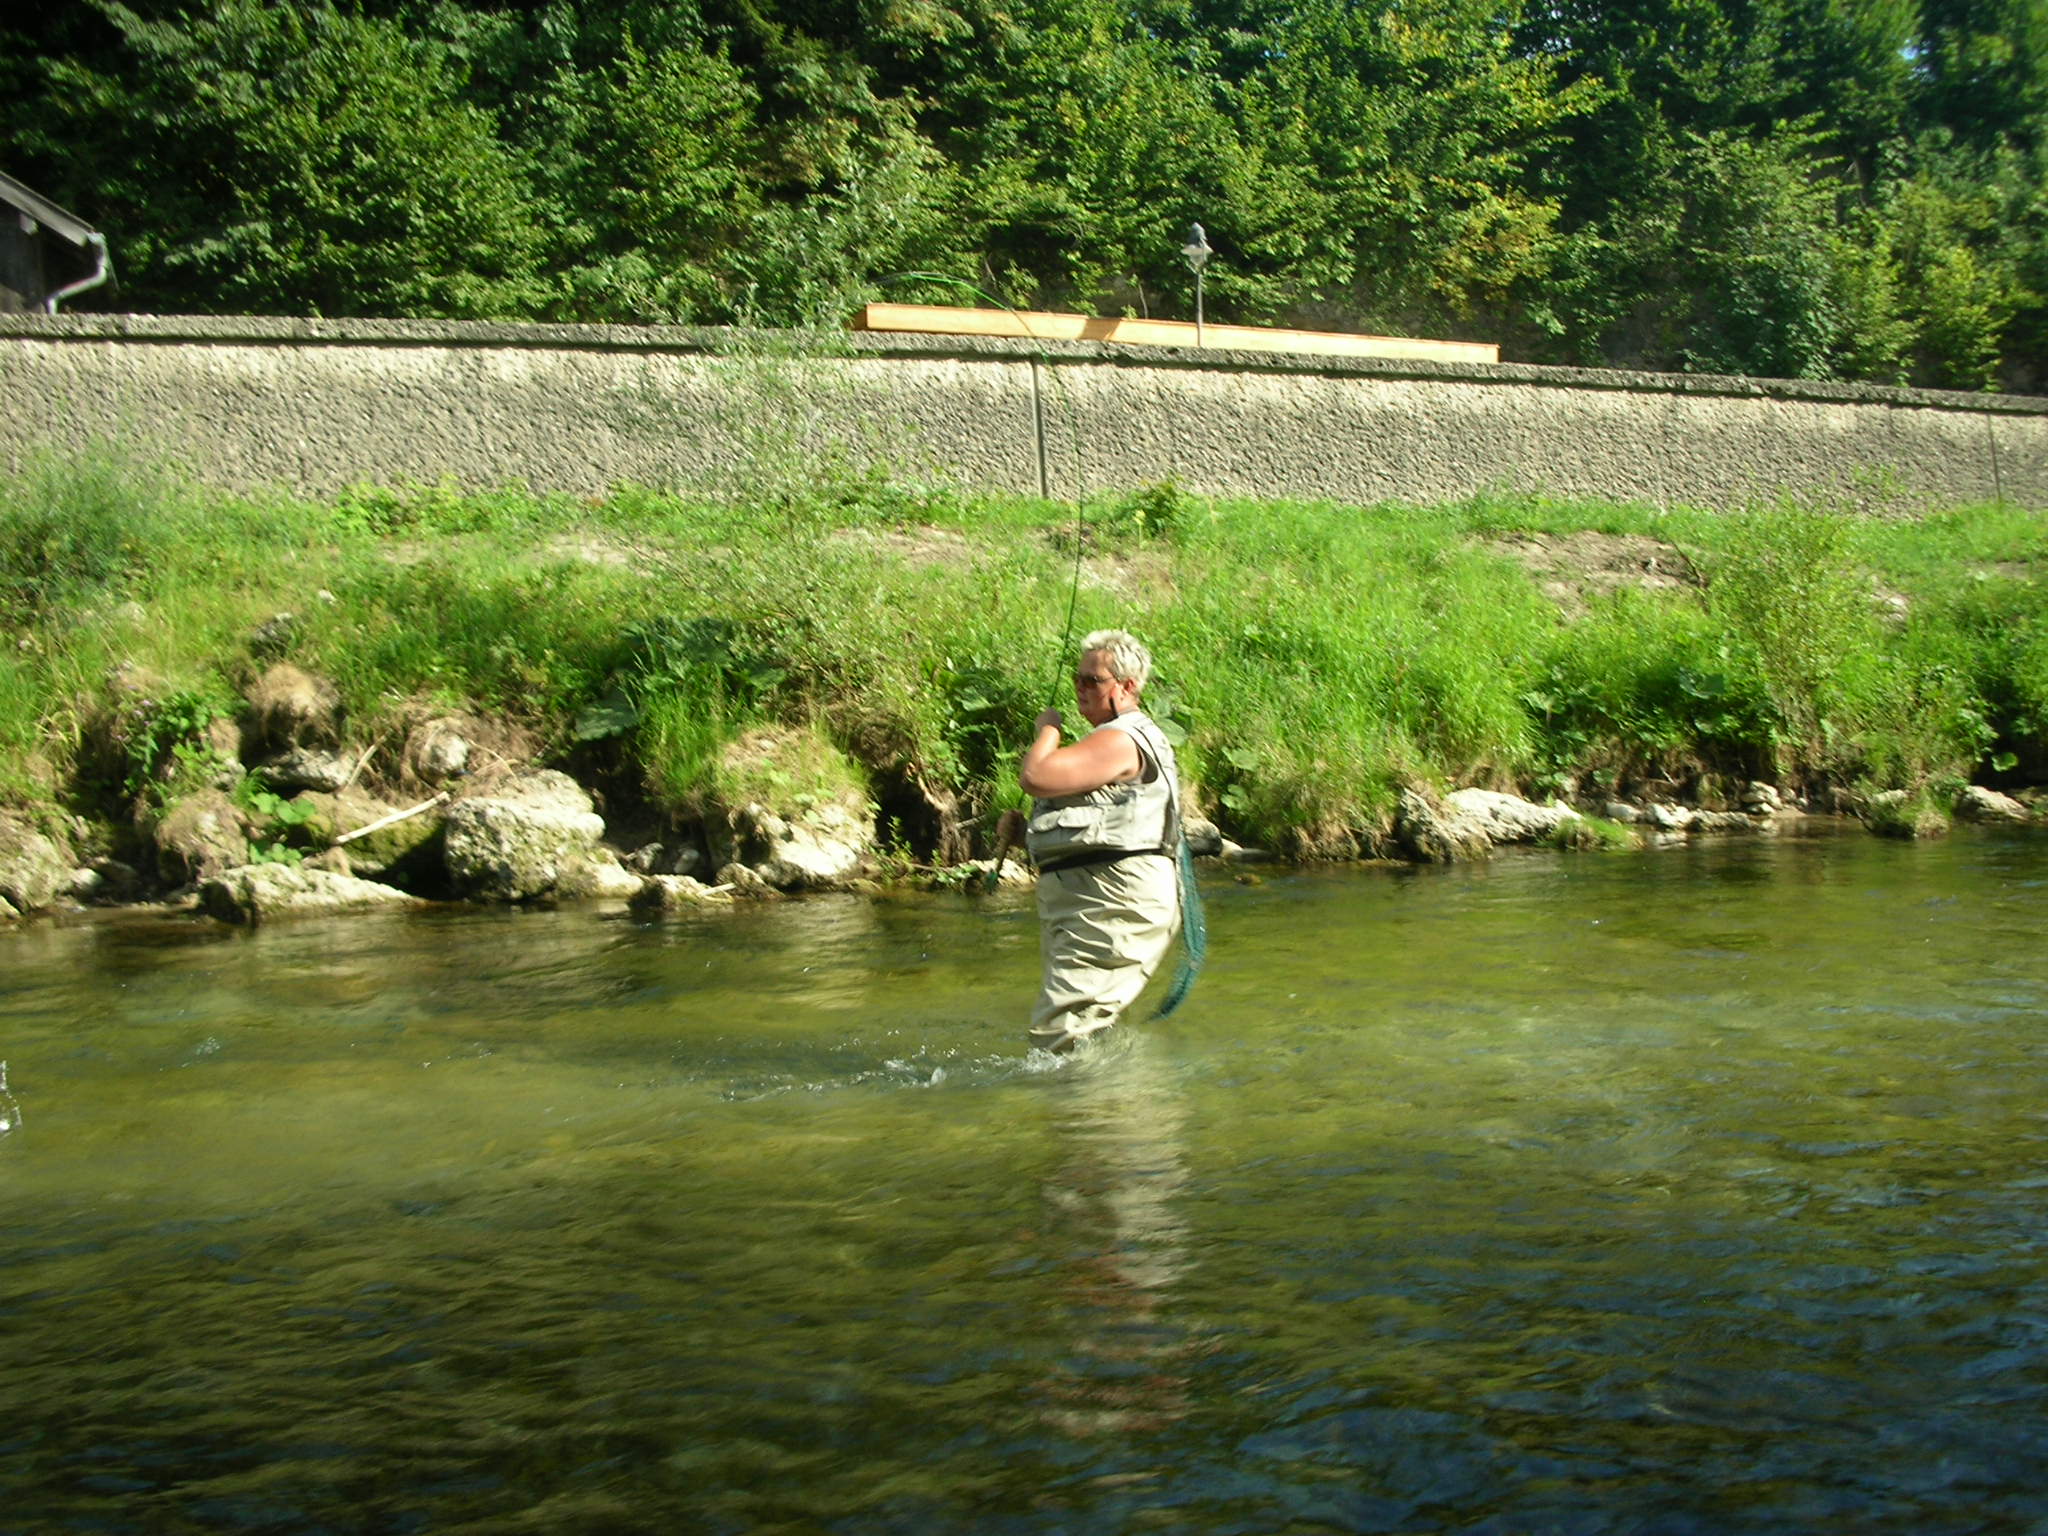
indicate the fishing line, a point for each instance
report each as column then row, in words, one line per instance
column 1194, row 928
column 1052, row 695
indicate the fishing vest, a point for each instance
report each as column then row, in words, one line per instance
column 1117, row 819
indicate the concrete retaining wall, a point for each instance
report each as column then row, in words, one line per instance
column 319, row 405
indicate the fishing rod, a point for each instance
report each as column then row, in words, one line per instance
column 1025, row 333
column 1194, row 928
column 1010, row 823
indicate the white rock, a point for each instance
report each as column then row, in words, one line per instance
column 261, row 892
column 1509, row 818
column 1761, row 799
column 600, row 877
column 33, row 868
column 669, row 892
column 742, row 881
column 515, row 844
column 821, row 847
column 1440, row 836
column 1724, row 821
column 1977, row 803
column 309, row 768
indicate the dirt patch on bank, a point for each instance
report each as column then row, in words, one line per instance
column 1574, row 569
column 915, row 543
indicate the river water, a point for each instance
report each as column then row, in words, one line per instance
column 1693, row 1190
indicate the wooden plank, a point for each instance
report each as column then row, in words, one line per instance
column 946, row 320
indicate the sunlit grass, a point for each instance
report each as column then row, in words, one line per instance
column 1317, row 657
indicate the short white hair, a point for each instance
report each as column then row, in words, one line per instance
column 1129, row 661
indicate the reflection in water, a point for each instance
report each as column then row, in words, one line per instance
column 1113, row 1227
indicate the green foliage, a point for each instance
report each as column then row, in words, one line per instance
column 1410, row 132
column 809, row 260
column 1326, row 655
column 268, row 806
column 1983, row 68
column 1159, row 511
column 384, row 511
column 1769, row 186
column 272, row 822
column 1648, row 687
column 1769, row 296
column 674, row 130
column 289, row 159
column 688, row 687
column 1593, row 833
column 164, row 743
column 528, row 638
column 1786, row 583
column 24, row 722
column 1958, row 228
column 1751, row 190
column 795, row 765
column 1908, row 814
column 1978, row 629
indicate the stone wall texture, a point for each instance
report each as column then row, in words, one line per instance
column 319, row 405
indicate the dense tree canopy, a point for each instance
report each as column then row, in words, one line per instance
column 1805, row 188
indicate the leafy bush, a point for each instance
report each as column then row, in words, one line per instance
column 1650, row 686
column 1787, row 591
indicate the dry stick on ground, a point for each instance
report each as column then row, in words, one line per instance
column 392, row 820
column 353, row 772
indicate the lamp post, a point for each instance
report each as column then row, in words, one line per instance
column 1195, row 252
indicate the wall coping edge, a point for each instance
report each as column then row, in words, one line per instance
column 736, row 343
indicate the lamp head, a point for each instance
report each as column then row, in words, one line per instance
column 1196, row 251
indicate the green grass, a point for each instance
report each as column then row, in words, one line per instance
column 1317, row 656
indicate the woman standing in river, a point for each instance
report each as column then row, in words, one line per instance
column 1104, row 833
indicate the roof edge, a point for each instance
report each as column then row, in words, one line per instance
column 47, row 213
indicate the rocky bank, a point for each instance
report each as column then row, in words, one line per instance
column 280, row 811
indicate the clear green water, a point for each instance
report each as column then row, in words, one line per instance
column 1699, row 1190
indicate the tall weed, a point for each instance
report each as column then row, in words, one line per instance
column 75, row 528
column 1795, row 606
column 1648, row 685
column 1325, row 655
column 24, row 770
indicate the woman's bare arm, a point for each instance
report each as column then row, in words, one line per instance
column 1101, row 757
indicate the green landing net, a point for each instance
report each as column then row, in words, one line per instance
column 1194, row 937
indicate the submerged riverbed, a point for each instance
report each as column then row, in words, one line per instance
column 1693, row 1190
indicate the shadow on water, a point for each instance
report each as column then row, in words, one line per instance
column 1689, row 1191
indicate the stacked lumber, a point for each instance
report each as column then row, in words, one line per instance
column 944, row 320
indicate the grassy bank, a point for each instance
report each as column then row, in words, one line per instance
column 1316, row 656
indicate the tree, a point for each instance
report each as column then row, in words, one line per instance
column 1419, row 125
column 289, row 160
column 1965, row 225
column 1981, row 70
column 657, row 184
